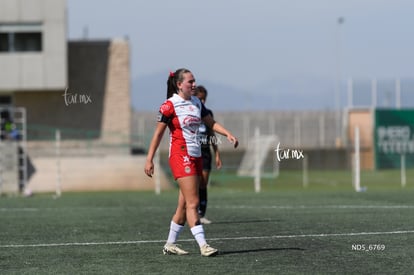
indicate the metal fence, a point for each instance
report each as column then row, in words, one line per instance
column 300, row 129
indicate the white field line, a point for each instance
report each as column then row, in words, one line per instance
column 34, row 209
column 312, row 206
column 211, row 239
column 19, row 209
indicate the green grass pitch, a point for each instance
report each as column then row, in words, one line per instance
column 286, row 229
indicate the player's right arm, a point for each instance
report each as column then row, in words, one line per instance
column 164, row 117
column 155, row 142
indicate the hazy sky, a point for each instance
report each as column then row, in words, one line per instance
column 244, row 43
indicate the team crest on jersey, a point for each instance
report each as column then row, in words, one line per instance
column 191, row 121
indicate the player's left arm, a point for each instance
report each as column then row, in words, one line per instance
column 216, row 153
column 213, row 141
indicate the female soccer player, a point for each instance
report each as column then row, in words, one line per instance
column 183, row 114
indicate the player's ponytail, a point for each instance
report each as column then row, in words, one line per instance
column 173, row 78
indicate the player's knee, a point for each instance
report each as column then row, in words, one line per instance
column 193, row 203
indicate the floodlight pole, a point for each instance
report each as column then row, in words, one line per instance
column 357, row 173
column 374, row 92
column 403, row 172
column 398, row 93
column 305, row 177
column 340, row 21
column 257, row 184
column 350, row 89
column 58, row 165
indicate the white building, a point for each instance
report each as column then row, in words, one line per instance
column 80, row 87
column 33, row 46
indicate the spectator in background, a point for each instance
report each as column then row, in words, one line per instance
column 8, row 129
column 10, row 132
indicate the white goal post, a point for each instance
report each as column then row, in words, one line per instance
column 253, row 161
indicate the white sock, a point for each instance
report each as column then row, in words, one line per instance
column 175, row 230
column 198, row 233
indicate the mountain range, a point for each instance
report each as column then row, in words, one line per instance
column 283, row 93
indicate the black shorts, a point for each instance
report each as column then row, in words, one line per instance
column 206, row 155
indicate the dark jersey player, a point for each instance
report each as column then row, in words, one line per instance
column 207, row 139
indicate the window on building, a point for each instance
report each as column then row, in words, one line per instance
column 21, row 37
column 5, row 100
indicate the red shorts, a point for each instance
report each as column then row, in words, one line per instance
column 184, row 165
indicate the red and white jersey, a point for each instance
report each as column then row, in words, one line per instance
column 183, row 118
